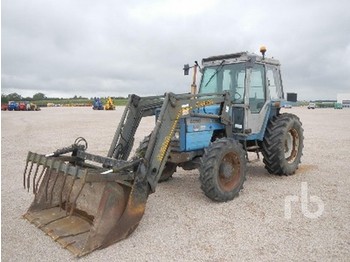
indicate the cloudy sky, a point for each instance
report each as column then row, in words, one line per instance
column 113, row 48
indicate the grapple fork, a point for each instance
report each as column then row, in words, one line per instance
column 85, row 206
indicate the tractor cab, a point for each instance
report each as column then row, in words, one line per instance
column 254, row 84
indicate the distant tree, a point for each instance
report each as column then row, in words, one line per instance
column 14, row 97
column 39, row 96
column 27, row 98
column 4, row 99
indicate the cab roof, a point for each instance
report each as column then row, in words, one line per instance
column 237, row 58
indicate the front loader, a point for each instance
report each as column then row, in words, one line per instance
column 87, row 202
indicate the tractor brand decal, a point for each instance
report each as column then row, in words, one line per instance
column 186, row 108
column 197, row 128
column 194, row 120
column 204, row 103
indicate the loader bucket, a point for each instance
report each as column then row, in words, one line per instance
column 80, row 207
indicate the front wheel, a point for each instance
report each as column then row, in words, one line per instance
column 169, row 168
column 283, row 144
column 223, row 170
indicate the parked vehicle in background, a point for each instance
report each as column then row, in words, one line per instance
column 23, row 106
column 97, row 104
column 109, row 105
column 311, row 106
column 20, row 106
column 33, row 107
column 4, row 107
column 13, row 106
column 338, row 106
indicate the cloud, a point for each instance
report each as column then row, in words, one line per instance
column 114, row 48
column 154, row 10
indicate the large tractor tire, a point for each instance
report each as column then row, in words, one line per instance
column 283, row 144
column 223, row 170
column 169, row 168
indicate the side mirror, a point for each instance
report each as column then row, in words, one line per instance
column 186, row 69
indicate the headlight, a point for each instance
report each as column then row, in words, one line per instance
column 177, row 135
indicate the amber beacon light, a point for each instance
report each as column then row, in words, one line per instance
column 263, row 51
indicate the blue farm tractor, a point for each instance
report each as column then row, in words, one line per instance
column 87, row 202
column 13, row 106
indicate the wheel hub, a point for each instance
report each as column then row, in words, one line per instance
column 226, row 170
column 229, row 172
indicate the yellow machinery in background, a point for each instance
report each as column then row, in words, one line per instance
column 109, row 105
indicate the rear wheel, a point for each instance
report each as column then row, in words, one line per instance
column 223, row 170
column 283, row 144
column 169, row 168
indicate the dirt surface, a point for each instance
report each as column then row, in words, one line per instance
column 180, row 223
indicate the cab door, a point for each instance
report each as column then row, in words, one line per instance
column 274, row 83
column 256, row 101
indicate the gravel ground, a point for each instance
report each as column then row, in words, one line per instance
column 180, row 223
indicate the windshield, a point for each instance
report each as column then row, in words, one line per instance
column 217, row 79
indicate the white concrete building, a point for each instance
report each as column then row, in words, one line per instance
column 344, row 99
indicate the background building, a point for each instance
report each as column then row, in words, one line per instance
column 344, row 99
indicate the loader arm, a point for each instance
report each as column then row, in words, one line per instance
column 135, row 109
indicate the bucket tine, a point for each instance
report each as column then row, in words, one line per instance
column 56, row 177
column 30, row 154
column 35, row 160
column 29, row 173
column 76, row 197
column 36, row 172
column 49, row 176
column 41, row 175
column 25, row 169
column 65, row 173
column 71, row 188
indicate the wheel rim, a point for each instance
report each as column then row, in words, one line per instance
column 229, row 172
column 291, row 145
